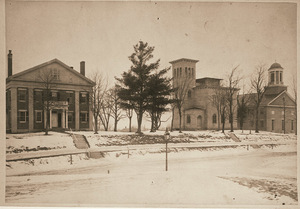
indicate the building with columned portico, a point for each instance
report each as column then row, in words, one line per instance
column 68, row 93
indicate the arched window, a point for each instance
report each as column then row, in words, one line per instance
column 188, row 119
column 214, row 118
column 272, row 77
column 189, row 94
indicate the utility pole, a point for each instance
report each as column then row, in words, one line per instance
column 167, row 137
column 283, row 114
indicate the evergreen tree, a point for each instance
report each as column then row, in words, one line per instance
column 159, row 97
column 134, row 88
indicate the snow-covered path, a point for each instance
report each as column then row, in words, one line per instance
column 256, row 177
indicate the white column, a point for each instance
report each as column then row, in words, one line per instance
column 31, row 110
column 77, row 110
column 45, row 118
column 63, row 117
column 14, row 110
column 66, row 118
column 50, row 119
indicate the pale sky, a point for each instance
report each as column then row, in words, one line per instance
column 219, row 35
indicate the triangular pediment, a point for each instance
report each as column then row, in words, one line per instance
column 64, row 74
column 283, row 99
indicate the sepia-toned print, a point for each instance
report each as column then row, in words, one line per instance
column 151, row 104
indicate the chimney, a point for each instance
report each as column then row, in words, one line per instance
column 82, row 68
column 9, row 63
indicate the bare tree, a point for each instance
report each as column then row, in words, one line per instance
column 216, row 101
column 233, row 80
column 179, row 94
column 258, row 84
column 105, row 110
column 220, row 101
column 116, row 110
column 243, row 107
column 47, row 79
column 129, row 114
column 96, row 97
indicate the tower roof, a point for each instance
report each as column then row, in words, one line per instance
column 275, row 65
column 184, row 60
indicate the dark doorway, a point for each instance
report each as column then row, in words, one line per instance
column 59, row 120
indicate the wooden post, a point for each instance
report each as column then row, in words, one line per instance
column 166, row 155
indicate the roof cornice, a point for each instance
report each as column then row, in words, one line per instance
column 184, row 59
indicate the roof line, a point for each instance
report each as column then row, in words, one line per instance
column 182, row 59
column 284, row 91
column 47, row 63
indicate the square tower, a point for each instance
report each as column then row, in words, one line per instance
column 184, row 72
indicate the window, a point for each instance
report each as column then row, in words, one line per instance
column 282, row 124
column 189, row 94
column 292, row 125
column 84, row 117
column 22, row 115
column 272, row 77
column 180, row 72
column 38, row 116
column 55, row 74
column 280, row 76
column 185, row 70
column 174, row 72
column 83, row 98
column 70, row 97
column 54, row 94
column 273, row 112
column 214, row 118
column 70, row 117
column 189, row 72
column 38, row 96
column 282, row 112
column 22, row 94
column 192, row 71
column 273, row 123
column 188, row 119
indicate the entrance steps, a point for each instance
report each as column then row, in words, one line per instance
column 80, row 141
column 234, row 137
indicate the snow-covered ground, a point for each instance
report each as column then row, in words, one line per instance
column 129, row 138
column 16, row 143
column 263, row 136
column 231, row 176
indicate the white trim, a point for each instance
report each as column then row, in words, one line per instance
column 26, row 113
column 281, row 106
column 35, row 116
column 285, row 91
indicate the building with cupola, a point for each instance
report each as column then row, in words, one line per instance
column 67, row 92
column 198, row 111
column 277, row 109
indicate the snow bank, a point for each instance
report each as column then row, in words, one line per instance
column 38, row 141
